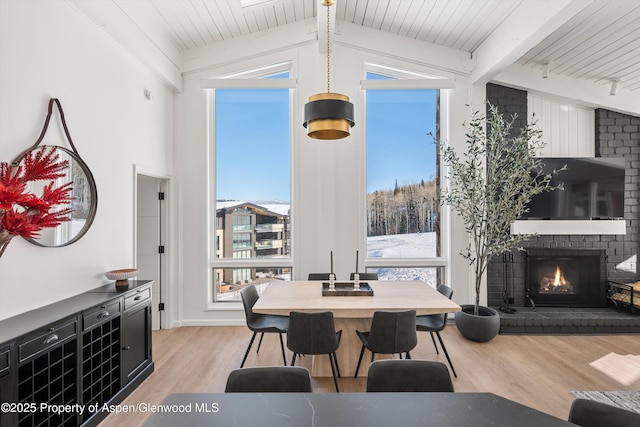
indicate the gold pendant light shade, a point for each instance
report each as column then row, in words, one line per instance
column 328, row 116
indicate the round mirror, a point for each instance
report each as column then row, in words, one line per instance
column 84, row 201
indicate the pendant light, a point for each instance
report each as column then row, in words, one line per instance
column 328, row 115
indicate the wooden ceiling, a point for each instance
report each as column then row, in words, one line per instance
column 599, row 44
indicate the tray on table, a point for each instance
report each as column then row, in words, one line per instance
column 345, row 289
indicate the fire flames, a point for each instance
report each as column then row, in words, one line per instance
column 557, row 283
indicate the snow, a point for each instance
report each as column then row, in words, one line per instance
column 416, row 245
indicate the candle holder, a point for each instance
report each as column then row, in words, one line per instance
column 332, row 282
column 356, row 282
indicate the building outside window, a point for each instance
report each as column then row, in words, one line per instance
column 252, row 184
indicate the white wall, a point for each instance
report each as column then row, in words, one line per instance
column 328, row 176
column 47, row 50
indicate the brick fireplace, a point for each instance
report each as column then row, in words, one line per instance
column 508, row 279
column 617, row 135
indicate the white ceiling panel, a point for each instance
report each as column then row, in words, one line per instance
column 598, row 44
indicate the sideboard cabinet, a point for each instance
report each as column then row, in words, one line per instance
column 83, row 352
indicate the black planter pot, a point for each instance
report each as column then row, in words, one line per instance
column 481, row 328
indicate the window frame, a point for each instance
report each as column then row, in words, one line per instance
column 407, row 80
column 251, row 79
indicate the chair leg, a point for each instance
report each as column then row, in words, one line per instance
column 260, row 342
column 335, row 360
column 253, row 337
column 359, row 361
column 434, row 342
column 333, row 371
column 293, row 359
column 284, row 358
column 446, row 354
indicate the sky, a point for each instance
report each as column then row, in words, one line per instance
column 252, row 141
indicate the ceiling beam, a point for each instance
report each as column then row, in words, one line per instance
column 529, row 24
column 321, row 19
column 123, row 22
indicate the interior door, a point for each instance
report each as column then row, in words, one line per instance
column 149, row 239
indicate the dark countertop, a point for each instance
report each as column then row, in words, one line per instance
column 345, row 409
column 26, row 322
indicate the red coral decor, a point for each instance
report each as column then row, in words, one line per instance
column 24, row 213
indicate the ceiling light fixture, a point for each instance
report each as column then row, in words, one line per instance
column 615, row 83
column 546, row 69
column 328, row 115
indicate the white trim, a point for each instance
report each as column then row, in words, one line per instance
column 248, row 83
column 570, row 227
column 408, row 84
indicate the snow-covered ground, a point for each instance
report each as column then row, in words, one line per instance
column 416, row 245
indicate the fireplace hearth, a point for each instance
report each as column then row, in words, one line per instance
column 565, row 278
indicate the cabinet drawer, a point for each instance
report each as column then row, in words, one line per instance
column 52, row 337
column 99, row 314
column 137, row 297
column 5, row 358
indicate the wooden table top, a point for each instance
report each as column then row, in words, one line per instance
column 283, row 297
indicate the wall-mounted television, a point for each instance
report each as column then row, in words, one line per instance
column 593, row 189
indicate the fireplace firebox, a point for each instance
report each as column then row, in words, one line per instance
column 566, row 278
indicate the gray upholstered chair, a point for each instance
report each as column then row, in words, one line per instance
column 263, row 323
column 283, row 379
column 318, row 276
column 314, row 333
column 365, row 276
column 434, row 323
column 391, row 332
column 409, row 376
column 590, row 413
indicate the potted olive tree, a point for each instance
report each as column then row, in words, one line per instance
column 490, row 185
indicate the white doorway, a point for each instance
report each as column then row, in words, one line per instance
column 151, row 233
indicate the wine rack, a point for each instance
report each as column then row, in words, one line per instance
column 49, row 377
column 101, row 364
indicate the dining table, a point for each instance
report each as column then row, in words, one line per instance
column 351, row 310
column 346, row 409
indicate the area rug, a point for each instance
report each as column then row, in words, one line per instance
column 629, row 400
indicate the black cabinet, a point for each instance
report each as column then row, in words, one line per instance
column 88, row 350
column 136, row 342
column 47, row 372
column 101, row 342
column 6, row 381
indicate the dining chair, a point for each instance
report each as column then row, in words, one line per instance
column 263, row 323
column 318, row 276
column 314, row 334
column 434, row 323
column 391, row 332
column 590, row 413
column 408, row 376
column 283, row 379
column 365, row 276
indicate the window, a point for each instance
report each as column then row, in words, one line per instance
column 403, row 210
column 251, row 126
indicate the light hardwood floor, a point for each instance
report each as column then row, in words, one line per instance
column 538, row 371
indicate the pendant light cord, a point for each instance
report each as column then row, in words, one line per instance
column 328, row 53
